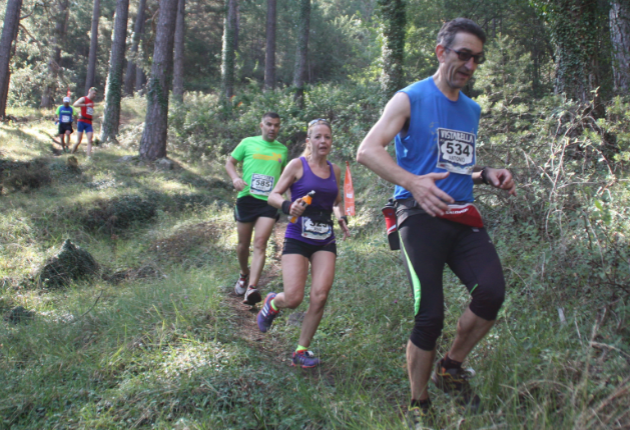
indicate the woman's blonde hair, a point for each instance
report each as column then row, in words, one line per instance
column 320, row 121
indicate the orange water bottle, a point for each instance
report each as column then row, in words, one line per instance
column 306, row 200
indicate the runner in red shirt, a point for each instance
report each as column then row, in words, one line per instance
column 85, row 120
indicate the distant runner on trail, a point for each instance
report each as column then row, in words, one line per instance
column 263, row 159
column 84, row 124
column 310, row 239
column 435, row 129
column 64, row 115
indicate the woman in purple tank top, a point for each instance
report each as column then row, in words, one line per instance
column 310, row 239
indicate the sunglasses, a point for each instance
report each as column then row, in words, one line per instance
column 315, row 121
column 465, row 56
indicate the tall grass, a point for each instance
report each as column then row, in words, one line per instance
column 166, row 348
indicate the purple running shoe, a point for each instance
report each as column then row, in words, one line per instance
column 305, row 359
column 267, row 314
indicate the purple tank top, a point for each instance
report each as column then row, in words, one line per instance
column 313, row 226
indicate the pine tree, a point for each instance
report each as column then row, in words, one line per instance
column 178, row 71
column 91, row 71
column 270, row 52
column 153, row 143
column 113, row 90
column 130, row 74
column 393, row 31
column 9, row 33
column 55, row 70
column 301, row 58
column 229, row 50
column 620, row 37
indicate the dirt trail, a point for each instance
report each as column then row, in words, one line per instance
column 268, row 344
column 245, row 315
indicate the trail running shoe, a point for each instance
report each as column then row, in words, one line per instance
column 267, row 314
column 305, row 359
column 252, row 296
column 455, row 383
column 241, row 285
column 421, row 418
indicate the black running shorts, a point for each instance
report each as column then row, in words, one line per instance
column 427, row 244
column 294, row 246
column 249, row 209
column 63, row 127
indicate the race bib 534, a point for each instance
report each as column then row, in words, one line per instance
column 456, row 151
column 66, row 118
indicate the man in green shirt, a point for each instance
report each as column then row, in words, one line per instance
column 263, row 159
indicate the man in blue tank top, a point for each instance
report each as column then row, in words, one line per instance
column 435, row 129
column 64, row 115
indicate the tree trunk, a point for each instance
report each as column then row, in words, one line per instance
column 91, row 71
column 132, row 61
column 178, row 71
column 270, row 52
column 54, row 66
column 141, row 78
column 574, row 29
column 113, row 88
column 140, row 75
column 620, row 37
column 301, row 57
column 393, row 31
column 229, row 53
column 9, row 32
column 153, row 143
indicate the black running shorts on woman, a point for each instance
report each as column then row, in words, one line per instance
column 294, row 246
column 427, row 243
column 249, row 209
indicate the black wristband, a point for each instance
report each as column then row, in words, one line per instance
column 286, row 207
column 483, row 176
column 345, row 218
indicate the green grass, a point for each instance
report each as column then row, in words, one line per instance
column 168, row 351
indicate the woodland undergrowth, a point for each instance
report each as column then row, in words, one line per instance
column 163, row 349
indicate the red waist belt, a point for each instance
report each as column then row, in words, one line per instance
column 466, row 214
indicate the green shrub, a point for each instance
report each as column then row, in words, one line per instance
column 24, row 176
column 206, row 126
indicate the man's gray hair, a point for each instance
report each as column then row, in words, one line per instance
column 459, row 25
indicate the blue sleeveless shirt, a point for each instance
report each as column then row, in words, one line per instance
column 441, row 137
column 310, row 227
column 65, row 114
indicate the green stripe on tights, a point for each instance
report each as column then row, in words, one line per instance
column 415, row 282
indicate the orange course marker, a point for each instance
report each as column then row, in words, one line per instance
column 348, row 192
column 306, row 200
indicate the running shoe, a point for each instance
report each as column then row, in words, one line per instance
column 305, row 359
column 252, row 296
column 421, row 418
column 241, row 285
column 455, row 383
column 267, row 314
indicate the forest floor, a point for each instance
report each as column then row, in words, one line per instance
column 158, row 340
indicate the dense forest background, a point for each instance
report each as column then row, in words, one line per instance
column 344, row 46
column 577, row 49
column 149, row 336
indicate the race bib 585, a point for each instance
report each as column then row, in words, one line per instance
column 66, row 118
column 456, row 151
column 261, row 184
